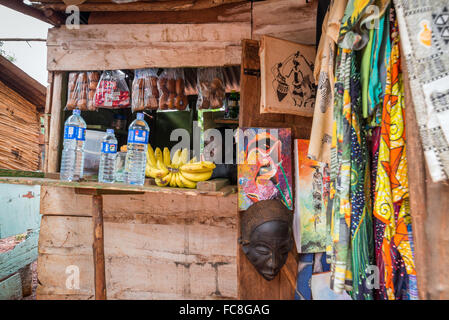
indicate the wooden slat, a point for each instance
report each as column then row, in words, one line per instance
column 173, row 5
column 55, row 124
column 95, row 47
column 18, row 122
column 293, row 20
column 168, row 208
column 22, row 254
column 98, row 248
column 233, row 12
column 417, row 188
column 19, row 209
column 11, row 288
column 177, row 261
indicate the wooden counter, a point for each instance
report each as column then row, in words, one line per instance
column 165, row 243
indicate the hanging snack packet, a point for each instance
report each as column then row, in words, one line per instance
column 112, row 91
column 211, row 89
column 71, row 94
column 92, row 80
column 181, row 101
column 151, row 96
column 138, row 91
column 164, row 94
column 77, row 91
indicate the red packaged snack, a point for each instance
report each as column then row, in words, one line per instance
column 112, row 91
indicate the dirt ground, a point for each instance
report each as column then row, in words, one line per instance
column 8, row 244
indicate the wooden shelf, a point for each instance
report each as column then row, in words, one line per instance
column 117, row 188
column 227, row 121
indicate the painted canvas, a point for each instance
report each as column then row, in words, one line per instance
column 264, row 166
column 311, row 181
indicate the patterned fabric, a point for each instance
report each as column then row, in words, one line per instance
column 361, row 214
column 351, row 34
column 340, row 257
column 391, row 205
column 423, row 25
column 320, row 138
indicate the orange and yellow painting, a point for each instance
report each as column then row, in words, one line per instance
column 264, row 166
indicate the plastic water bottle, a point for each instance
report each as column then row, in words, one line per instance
column 106, row 172
column 72, row 160
column 136, row 156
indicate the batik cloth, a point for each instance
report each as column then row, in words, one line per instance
column 339, row 245
column 391, row 204
column 361, row 215
column 320, row 138
column 424, row 28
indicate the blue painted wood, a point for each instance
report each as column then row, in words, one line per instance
column 19, row 209
column 22, row 254
column 11, row 288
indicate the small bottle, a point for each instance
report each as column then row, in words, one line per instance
column 72, row 159
column 106, row 172
column 136, row 155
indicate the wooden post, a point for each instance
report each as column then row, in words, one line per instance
column 98, row 247
column 55, row 124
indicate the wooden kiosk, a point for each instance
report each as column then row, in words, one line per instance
column 162, row 243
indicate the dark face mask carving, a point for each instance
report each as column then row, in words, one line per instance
column 266, row 236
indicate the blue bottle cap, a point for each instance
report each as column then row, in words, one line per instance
column 140, row 116
column 111, row 131
column 77, row 112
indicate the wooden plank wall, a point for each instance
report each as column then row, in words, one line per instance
column 251, row 284
column 171, row 247
column 19, row 121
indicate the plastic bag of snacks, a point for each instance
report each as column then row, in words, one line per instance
column 92, row 80
column 138, row 91
column 211, row 88
column 112, row 91
column 151, row 90
column 81, row 90
column 181, row 100
column 77, row 91
column 166, row 87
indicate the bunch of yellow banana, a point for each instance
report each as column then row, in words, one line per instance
column 178, row 171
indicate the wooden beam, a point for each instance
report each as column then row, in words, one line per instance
column 55, row 124
column 104, row 47
column 232, row 12
column 174, row 5
column 98, row 248
column 49, row 16
column 417, row 186
column 293, row 20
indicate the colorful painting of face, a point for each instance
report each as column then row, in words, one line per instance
column 264, row 166
column 310, row 207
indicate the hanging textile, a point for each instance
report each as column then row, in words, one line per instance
column 320, row 137
column 391, row 205
column 424, row 29
column 350, row 218
column 361, row 214
column 340, row 175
